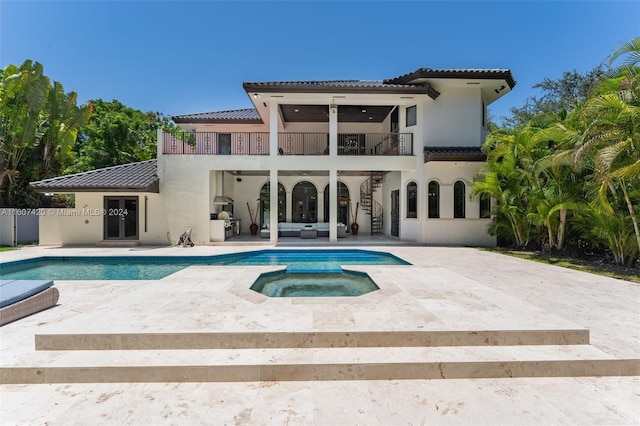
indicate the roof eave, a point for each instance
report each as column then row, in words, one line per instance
column 251, row 87
column 454, row 153
column 178, row 120
column 471, row 158
column 152, row 188
column 471, row 75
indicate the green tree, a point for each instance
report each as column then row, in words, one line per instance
column 612, row 141
column 38, row 126
column 117, row 134
column 589, row 171
column 563, row 94
column 507, row 178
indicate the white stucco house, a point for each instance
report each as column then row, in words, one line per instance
column 401, row 152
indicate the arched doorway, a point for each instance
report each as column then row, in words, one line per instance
column 343, row 203
column 305, row 203
column 265, row 205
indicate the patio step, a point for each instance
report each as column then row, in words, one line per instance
column 324, row 339
column 313, row 364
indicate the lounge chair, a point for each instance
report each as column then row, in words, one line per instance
column 20, row 298
column 185, row 239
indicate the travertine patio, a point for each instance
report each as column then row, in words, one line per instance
column 461, row 336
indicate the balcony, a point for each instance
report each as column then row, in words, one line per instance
column 303, row 143
column 257, row 143
column 212, row 143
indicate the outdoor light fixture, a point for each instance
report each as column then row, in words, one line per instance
column 256, row 95
column 500, row 89
column 333, row 107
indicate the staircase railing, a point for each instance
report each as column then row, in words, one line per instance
column 371, row 206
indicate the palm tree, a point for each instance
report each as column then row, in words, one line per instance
column 609, row 143
column 509, row 179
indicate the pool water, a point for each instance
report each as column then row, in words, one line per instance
column 324, row 284
column 157, row 267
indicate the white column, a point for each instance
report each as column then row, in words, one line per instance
column 333, row 130
column 273, row 205
column 273, row 128
column 288, row 201
column 333, row 206
column 422, row 199
column 273, row 172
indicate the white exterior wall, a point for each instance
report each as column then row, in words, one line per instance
column 470, row 230
column 7, row 225
column 84, row 225
column 410, row 228
column 453, row 119
column 184, row 185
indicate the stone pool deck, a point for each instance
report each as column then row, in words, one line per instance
column 462, row 336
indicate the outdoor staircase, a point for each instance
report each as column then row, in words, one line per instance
column 140, row 357
column 371, row 206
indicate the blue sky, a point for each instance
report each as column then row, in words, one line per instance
column 180, row 57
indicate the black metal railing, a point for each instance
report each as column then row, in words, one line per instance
column 375, row 144
column 303, row 143
column 290, row 143
column 214, row 143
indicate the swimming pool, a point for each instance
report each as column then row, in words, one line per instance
column 157, row 267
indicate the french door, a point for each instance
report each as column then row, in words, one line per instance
column 121, row 218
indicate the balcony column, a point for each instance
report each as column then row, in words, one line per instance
column 273, row 128
column 333, row 205
column 289, row 197
column 333, row 130
column 273, row 203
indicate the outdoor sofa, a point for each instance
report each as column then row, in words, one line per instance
column 289, row 229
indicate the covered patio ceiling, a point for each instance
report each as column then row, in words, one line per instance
column 346, row 113
column 303, row 172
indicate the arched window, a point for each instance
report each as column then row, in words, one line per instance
column 485, row 206
column 343, row 203
column 305, row 203
column 434, row 199
column 265, row 205
column 458, row 199
column 412, row 200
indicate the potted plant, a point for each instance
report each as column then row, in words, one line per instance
column 354, row 222
column 254, row 218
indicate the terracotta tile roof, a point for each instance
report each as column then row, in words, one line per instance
column 467, row 73
column 454, row 153
column 132, row 177
column 248, row 115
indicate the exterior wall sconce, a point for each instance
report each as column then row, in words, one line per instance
column 333, row 108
